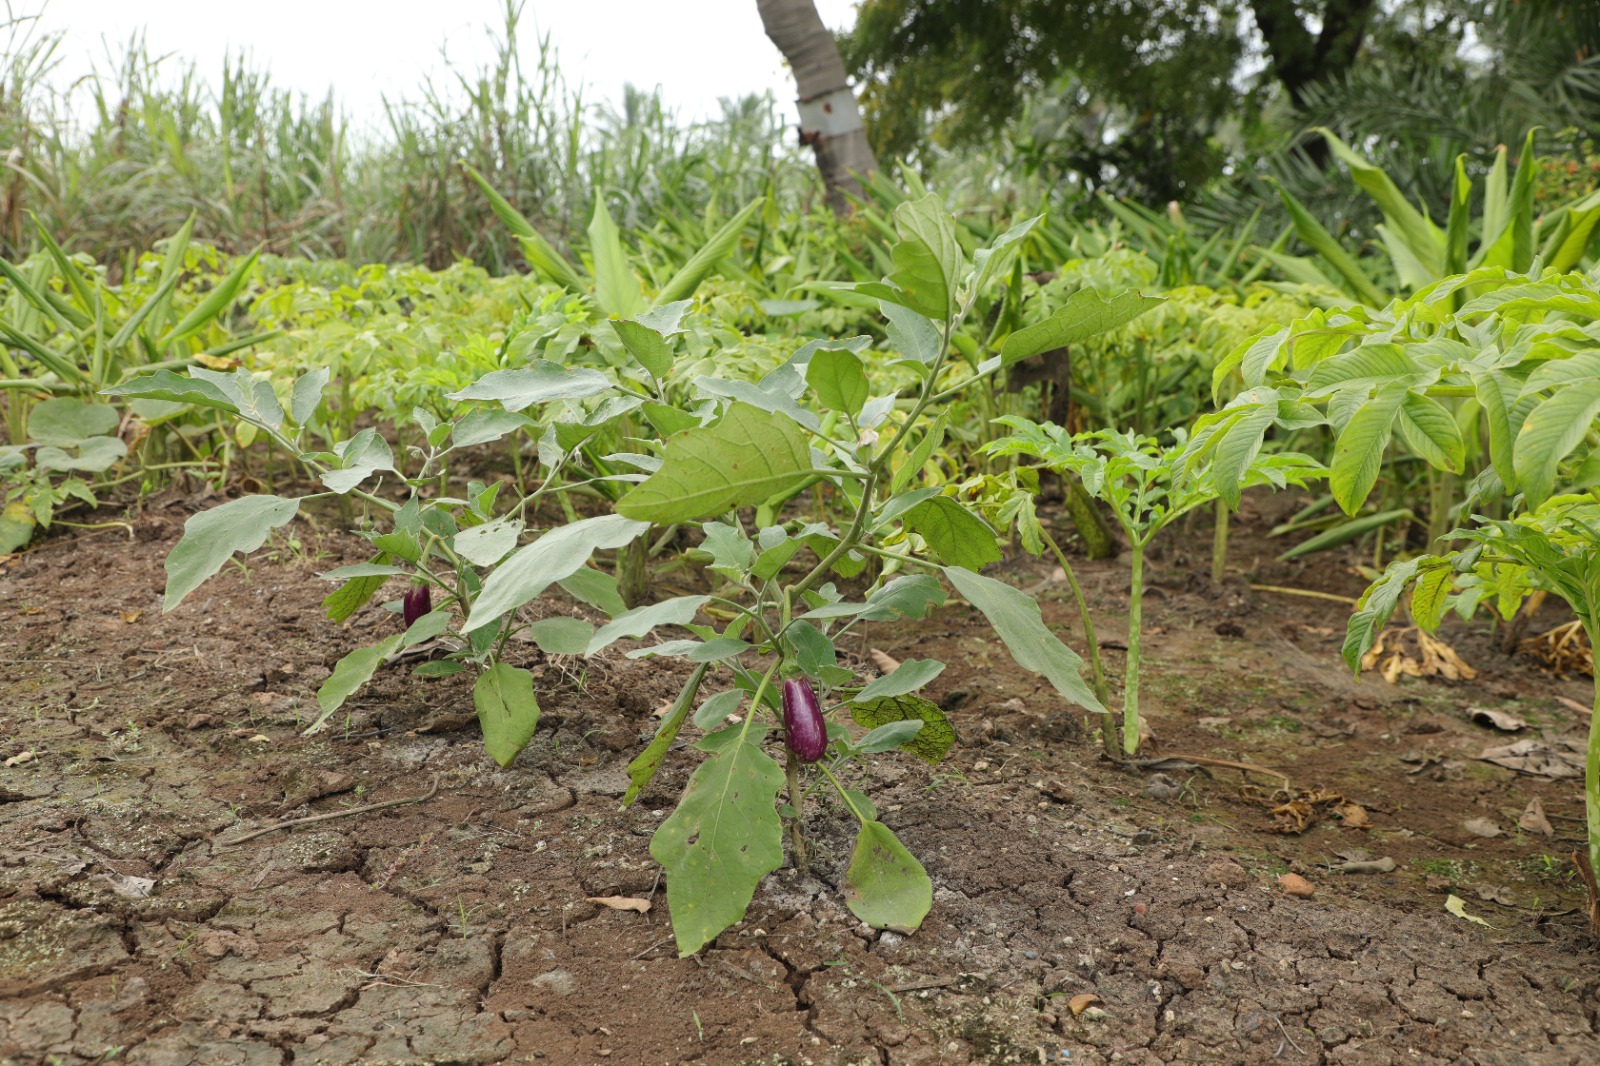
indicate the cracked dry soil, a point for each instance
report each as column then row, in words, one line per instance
column 458, row 930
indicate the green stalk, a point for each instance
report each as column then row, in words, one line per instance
column 1130, row 706
column 1102, row 690
column 1219, row 545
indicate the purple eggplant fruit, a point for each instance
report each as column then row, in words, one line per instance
column 804, row 729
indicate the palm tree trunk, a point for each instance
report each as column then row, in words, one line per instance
column 830, row 120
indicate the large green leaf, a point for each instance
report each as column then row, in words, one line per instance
column 173, row 388
column 556, row 555
column 1551, row 431
column 541, row 383
column 885, row 886
column 211, row 537
column 1323, row 243
column 745, row 459
column 216, row 301
column 1017, row 620
column 956, row 535
column 508, row 711
column 680, row 610
column 1240, row 444
column 1431, row 432
column 928, row 260
column 722, row 839
column 67, row 421
column 539, row 253
column 839, row 380
column 616, row 287
column 1422, row 239
column 1085, row 314
column 907, row 677
column 688, row 278
column 1358, row 453
column 361, row 456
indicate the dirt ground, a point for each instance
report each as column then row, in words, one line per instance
column 1082, row 914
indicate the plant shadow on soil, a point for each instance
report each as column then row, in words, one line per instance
column 460, row 929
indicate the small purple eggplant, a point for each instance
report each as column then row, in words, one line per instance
column 418, row 602
column 805, row 732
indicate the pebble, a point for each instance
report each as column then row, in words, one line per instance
column 1295, row 885
column 1226, row 872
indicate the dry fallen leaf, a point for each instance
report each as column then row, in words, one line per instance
column 1495, row 894
column 885, row 662
column 1506, row 723
column 1554, row 757
column 1533, row 819
column 1353, row 815
column 1082, row 1002
column 21, row 758
column 1458, row 907
column 1364, row 866
column 621, row 903
column 1481, row 827
column 663, row 710
column 1295, row 885
column 130, row 617
column 130, row 887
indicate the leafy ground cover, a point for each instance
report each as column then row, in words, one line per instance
column 1081, row 912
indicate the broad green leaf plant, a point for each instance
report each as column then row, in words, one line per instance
column 1491, row 374
column 733, row 460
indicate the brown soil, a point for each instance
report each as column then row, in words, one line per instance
column 458, row 929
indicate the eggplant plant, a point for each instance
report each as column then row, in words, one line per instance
column 738, row 460
column 1147, row 487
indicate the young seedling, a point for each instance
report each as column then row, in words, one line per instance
column 1147, row 488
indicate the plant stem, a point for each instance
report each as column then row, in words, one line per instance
column 1219, row 544
column 1102, row 690
column 1130, row 705
column 797, row 837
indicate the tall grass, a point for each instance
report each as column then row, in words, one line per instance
column 121, row 158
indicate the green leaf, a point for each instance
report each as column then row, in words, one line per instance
column 1358, row 453
column 211, row 537
column 539, row 253
column 651, row 350
column 554, row 556
column 932, row 742
column 688, row 278
column 1323, row 243
column 353, row 595
column 745, row 459
column 642, row 770
column 1238, row 450
column 1429, row 598
column 165, row 385
column 508, row 711
column 487, row 544
column 1422, row 239
column 561, row 635
column 813, row 650
column 954, row 534
column 1085, row 314
column 65, row 422
column 438, row 668
column 1431, row 432
column 1016, row 619
column 839, row 380
column 306, row 395
column 485, row 426
column 714, row 711
column 1549, row 434
column 215, row 302
column 723, row 838
column 911, row 334
column 888, row 736
column 543, row 382
column 616, row 288
column 920, row 455
column 636, row 623
column 995, row 261
column 885, row 886
column 349, row 674
column 927, row 260
column 596, row 588
column 361, row 456
column 1375, row 607
column 17, row 523
column 95, row 455
column 908, row 677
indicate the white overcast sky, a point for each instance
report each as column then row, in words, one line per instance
column 695, row 51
